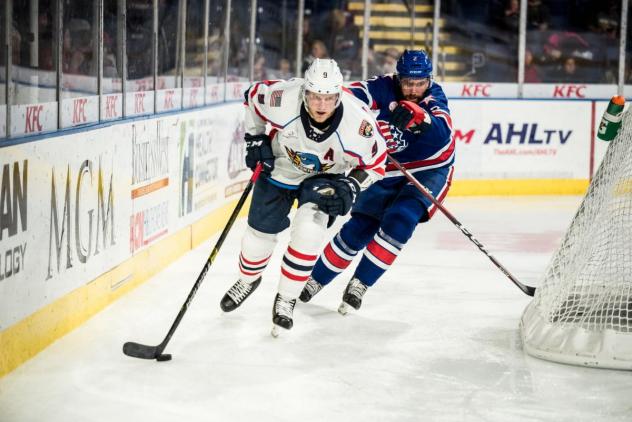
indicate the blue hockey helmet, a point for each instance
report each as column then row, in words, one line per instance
column 414, row 64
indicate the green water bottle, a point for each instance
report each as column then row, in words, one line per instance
column 611, row 120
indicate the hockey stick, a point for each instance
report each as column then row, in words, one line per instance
column 137, row 350
column 528, row 290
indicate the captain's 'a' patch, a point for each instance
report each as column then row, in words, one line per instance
column 275, row 98
column 366, row 129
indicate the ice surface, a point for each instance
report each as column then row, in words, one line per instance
column 436, row 340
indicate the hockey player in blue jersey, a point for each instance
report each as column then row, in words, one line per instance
column 413, row 115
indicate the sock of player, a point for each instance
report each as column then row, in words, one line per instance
column 398, row 225
column 256, row 249
column 335, row 259
column 354, row 235
column 378, row 256
column 295, row 270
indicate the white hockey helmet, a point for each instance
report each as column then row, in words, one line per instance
column 323, row 77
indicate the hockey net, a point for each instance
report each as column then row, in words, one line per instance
column 582, row 310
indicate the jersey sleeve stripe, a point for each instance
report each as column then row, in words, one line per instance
column 378, row 161
column 444, row 115
column 444, row 157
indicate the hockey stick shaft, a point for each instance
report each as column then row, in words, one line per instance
column 152, row 352
column 528, row 290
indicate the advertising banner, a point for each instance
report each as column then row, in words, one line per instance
column 149, row 193
column 29, row 119
column 210, row 160
column 111, row 106
column 79, row 110
column 522, row 140
column 491, row 90
column 64, row 220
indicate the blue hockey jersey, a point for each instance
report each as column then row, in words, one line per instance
column 434, row 148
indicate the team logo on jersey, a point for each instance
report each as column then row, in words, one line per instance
column 396, row 142
column 275, row 98
column 306, row 162
column 366, row 129
column 261, row 99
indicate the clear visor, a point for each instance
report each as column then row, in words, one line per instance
column 321, row 98
column 414, row 82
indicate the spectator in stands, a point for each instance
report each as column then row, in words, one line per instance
column 538, row 15
column 110, row 69
column 605, row 42
column 318, row 50
column 531, row 71
column 259, row 71
column 16, row 45
column 568, row 44
column 558, row 47
column 138, row 40
column 308, row 39
column 343, row 39
column 391, row 55
column 284, row 70
column 606, row 19
column 569, row 72
column 511, row 18
column 77, row 56
column 383, row 63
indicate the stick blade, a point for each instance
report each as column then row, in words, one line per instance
column 140, row 351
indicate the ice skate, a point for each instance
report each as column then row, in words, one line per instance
column 309, row 291
column 282, row 314
column 352, row 297
column 237, row 294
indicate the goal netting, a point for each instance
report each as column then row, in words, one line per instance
column 582, row 310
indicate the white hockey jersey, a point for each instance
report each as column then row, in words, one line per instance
column 352, row 141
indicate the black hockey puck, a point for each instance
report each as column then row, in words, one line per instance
column 163, row 358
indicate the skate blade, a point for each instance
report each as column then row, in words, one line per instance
column 343, row 309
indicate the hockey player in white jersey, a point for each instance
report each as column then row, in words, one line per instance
column 324, row 147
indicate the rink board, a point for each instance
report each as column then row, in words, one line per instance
column 89, row 215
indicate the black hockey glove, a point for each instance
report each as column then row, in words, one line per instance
column 332, row 196
column 410, row 116
column 259, row 148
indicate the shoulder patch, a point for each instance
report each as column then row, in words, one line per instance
column 275, row 98
column 261, row 99
column 366, row 129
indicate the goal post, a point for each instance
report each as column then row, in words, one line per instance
column 581, row 313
